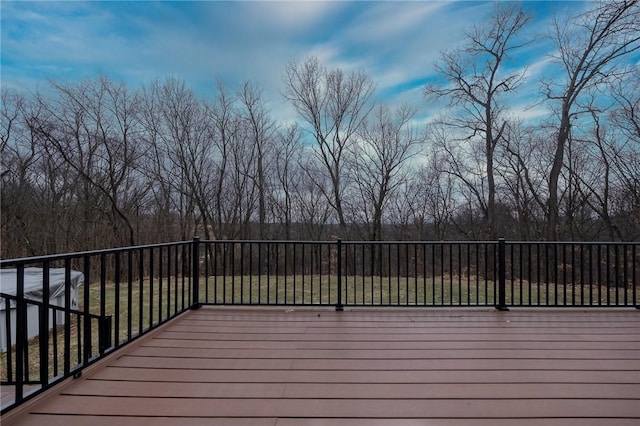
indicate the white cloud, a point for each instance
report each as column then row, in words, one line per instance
column 326, row 53
column 395, row 43
column 390, row 20
column 289, row 16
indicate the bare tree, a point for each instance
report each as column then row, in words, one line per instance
column 595, row 181
column 19, row 159
column 589, row 48
column 386, row 143
column 92, row 126
column 521, row 166
column 224, row 120
column 260, row 128
column 464, row 164
column 288, row 174
column 424, row 205
column 475, row 80
column 166, row 216
column 309, row 201
column 242, row 190
column 333, row 105
column 186, row 137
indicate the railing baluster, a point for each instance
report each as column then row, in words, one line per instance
column 304, row 273
column 116, row 307
column 634, row 276
column 232, row 257
column 43, row 332
column 450, row 252
column 424, row 274
column 224, row 272
column 582, row 277
column 79, row 333
column 8, row 339
column 54, row 326
column 242, row 273
column 380, row 268
column 250, row 273
column 415, row 273
column 160, row 283
column 141, row 292
column 339, row 306
column 129, row 292
column 67, row 316
column 103, row 290
column 284, row 274
column 624, row 274
column 616, row 273
column 294, row 271
column 176, row 286
column 397, row 274
column 489, row 258
column 502, row 305
column 215, row 273
column 512, row 277
column 168, row 295
column 459, row 273
column 207, row 271
column 260, row 248
column 277, row 276
column 21, row 334
column 268, row 262
column 151, row 285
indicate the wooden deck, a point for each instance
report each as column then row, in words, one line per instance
column 283, row 367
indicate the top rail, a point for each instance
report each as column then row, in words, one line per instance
column 50, row 257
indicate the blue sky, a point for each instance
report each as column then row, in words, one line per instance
column 395, row 43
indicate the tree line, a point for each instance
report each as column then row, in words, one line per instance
column 97, row 164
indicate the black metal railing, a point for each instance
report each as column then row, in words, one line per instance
column 110, row 298
column 129, row 291
column 412, row 273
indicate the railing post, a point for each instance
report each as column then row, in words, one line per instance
column 339, row 306
column 502, row 274
column 195, row 273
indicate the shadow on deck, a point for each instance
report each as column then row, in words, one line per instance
column 285, row 367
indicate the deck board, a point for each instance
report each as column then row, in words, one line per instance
column 388, row 353
column 66, row 420
column 375, row 364
column 340, row 408
column 310, row 367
